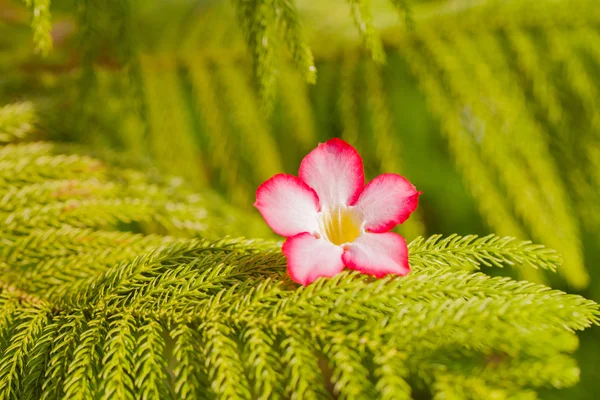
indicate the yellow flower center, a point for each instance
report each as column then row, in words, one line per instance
column 339, row 225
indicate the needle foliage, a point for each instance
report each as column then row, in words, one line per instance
column 120, row 280
column 509, row 88
column 116, row 285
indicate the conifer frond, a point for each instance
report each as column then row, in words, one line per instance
column 151, row 367
column 17, row 122
column 84, row 369
column 41, row 25
column 490, row 126
column 191, row 380
column 463, row 146
column 263, row 23
column 118, row 366
column 262, row 361
column 193, row 317
column 387, row 144
column 296, row 107
column 28, row 328
column 215, row 134
column 503, row 153
column 171, row 137
column 363, row 19
column 223, row 361
column 391, row 372
column 488, row 114
column 118, row 284
column 346, row 363
column 39, row 358
column 303, row 377
column 60, row 355
column 79, row 190
column 471, row 252
column 295, row 40
column 260, row 148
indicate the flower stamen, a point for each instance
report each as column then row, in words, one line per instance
column 340, row 225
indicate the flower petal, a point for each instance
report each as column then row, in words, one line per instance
column 388, row 200
column 378, row 254
column 288, row 205
column 335, row 171
column 310, row 258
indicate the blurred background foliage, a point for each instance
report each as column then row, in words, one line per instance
column 489, row 107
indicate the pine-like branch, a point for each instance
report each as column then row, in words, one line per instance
column 89, row 312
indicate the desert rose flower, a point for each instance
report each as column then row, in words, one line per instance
column 331, row 219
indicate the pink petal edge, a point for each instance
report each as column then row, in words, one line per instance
column 378, row 254
column 288, row 205
column 310, row 258
column 386, row 201
column 335, row 171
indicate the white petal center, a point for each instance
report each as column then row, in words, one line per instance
column 340, row 225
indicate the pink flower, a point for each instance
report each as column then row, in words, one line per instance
column 331, row 219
